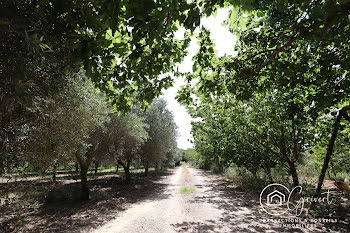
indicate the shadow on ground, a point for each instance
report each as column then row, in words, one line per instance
column 55, row 207
column 241, row 211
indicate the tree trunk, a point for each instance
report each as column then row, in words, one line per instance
column 146, row 166
column 117, row 167
column 76, row 167
column 85, row 164
column 96, row 167
column 328, row 154
column 269, row 175
column 146, row 170
column 126, row 170
column 127, row 173
column 2, row 160
column 2, row 168
column 293, row 172
column 54, row 173
column 84, row 187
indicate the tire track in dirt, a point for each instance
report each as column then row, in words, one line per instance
column 167, row 214
column 212, row 207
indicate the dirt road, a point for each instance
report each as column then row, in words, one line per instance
column 207, row 207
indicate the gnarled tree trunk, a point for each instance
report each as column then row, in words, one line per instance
column 85, row 193
column 127, row 173
column 85, row 162
column 126, row 169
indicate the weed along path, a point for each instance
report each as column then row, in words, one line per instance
column 196, row 201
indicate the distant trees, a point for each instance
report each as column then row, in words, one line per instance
column 192, row 156
column 173, row 156
column 123, row 138
column 129, row 133
column 161, row 139
column 77, row 124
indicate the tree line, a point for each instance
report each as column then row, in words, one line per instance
column 76, row 124
column 76, row 78
column 270, row 105
column 267, row 106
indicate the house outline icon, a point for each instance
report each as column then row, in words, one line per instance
column 276, row 194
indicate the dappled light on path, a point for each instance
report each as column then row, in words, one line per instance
column 214, row 205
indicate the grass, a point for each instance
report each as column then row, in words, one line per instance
column 341, row 176
column 109, row 169
column 187, row 190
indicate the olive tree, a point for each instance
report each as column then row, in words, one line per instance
column 161, row 132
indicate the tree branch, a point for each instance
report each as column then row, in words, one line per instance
column 343, row 109
column 284, row 149
column 346, row 116
column 167, row 21
column 267, row 147
column 80, row 159
column 275, row 53
column 100, row 147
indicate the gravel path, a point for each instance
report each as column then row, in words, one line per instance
column 172, row 213
column 208, row 209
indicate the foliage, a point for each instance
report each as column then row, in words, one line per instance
column 173, row 156
column 62, row 124
column 128, row 133
column 282, row 45
column 340, row 159
column 124, row 46
column 264, row 108
column 266, row 130
column 273, row 97
column 193, row 157
column 162, row 134
column 245, row 179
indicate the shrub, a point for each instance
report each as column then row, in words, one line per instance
column 245, row 179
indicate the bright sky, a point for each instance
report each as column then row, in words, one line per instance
column 225, row 42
